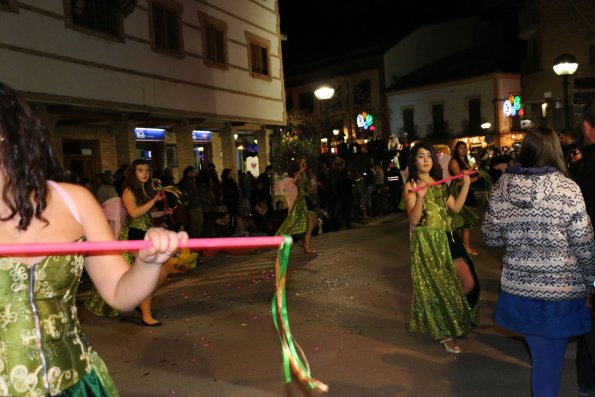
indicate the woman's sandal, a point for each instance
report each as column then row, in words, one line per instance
column 472, row 251
column 450, row 345
column 309, row 251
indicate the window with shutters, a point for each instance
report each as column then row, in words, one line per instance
column 165, row 23
column 96, row 17
column 259, row 56
column 214, row 41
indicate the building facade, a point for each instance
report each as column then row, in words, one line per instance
column 358, row 82
column 171, row 81
column 552, row 28
column 456, row 88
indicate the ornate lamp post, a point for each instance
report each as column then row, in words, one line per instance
column 565, row 65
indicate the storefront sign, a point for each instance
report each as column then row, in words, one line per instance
column 365, row 121
column 201, row 136
column 512, row 106
column 149, row 134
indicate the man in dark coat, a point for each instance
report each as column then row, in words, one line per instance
column 585, row 354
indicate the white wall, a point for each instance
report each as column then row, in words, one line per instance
column 454, row 96
column 39, row 55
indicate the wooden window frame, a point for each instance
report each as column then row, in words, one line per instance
column 261, row 42
column 69, row 22
column 208, row 22
column 178, row 9
column 11, row 6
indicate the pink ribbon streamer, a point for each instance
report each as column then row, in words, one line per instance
column 450, row 178
column 30, row 249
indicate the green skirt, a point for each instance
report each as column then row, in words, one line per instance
column 96, row 383
column 439, row 306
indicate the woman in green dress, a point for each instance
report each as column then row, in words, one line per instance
column 139, row 208
column 468, row 217
column 43, row 351
column 301, row 218
column 445, row 287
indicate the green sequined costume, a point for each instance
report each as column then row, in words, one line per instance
column 468, row 216
column 297, row 220
column 43, row 351
column 439, row 306
column 94, row 301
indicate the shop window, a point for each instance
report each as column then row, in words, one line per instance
column 97, row 17
column 9, row 5
column 165, row 22
column 474, row 114
column 408, row 123
column 258, row 56
column 214, row 41
column 438, row 125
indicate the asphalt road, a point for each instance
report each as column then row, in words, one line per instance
column 348, row 308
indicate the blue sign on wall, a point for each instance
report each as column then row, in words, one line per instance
column 201, row 136
column 149, row 134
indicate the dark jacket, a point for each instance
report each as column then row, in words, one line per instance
column 585, row 178
column 188, row 186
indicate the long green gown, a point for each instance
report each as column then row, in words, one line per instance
column 94, row 301
column 439, row 306
column 468, row 216
column 43, row 351
column 297, row 220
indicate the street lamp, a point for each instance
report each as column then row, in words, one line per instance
column 565, row 65
column 324, row 93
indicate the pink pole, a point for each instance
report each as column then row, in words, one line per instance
column 450, row 178
column 29, row 249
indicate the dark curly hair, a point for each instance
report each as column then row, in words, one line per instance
column 435, row 172
column 132, row 182
column 26, row 160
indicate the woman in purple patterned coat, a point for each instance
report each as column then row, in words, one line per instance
column 538, row 214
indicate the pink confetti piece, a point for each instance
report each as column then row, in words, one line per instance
column 193, row 360
column 317, row 349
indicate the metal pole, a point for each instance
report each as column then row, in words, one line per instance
column 567, row 121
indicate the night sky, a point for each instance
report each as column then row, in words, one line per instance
column 318, row 29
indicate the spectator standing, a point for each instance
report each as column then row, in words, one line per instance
column 468, row 216
column 230, row 196
column 538, row 214
column 248, row 185
column 207, row 204
column 195, row 217
column 106, row 190
column 585, row 178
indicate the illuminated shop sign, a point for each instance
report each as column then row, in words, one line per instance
column 365, row 121
column 201, row 136
column 149, row 134
column 512, row 106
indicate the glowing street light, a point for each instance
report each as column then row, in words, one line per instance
column 565, row 65
column 324, row 93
